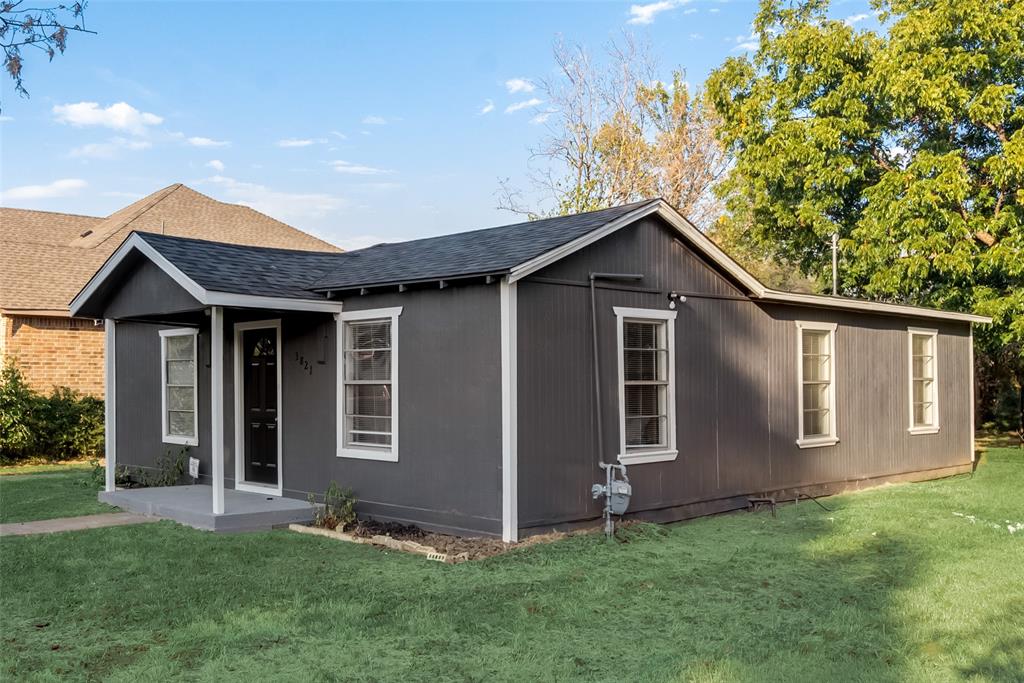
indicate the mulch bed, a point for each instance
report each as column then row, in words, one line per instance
column 454, row 546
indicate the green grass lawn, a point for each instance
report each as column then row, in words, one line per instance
column 31, row 492
column 917, row 582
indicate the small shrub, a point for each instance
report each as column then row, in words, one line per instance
column 68, row 425
column 17, row 403
column 338, row 510
column 169, row 469
column 61, row 426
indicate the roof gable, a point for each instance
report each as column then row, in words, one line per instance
column 478, row 252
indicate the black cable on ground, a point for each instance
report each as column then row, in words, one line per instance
column 817, row 502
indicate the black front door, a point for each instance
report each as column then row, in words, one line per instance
column 260, row 405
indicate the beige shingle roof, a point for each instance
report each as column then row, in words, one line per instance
column 46, row 258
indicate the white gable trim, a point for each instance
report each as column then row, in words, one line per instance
column 714, row 254
column 200, row 294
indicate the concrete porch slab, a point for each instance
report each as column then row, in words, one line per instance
column 193, row 506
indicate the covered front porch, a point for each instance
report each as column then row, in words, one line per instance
column 196, row 375
column 190, row 505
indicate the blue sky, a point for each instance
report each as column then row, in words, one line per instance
column 358, row 122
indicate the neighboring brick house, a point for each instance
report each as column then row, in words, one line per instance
column 47, row 257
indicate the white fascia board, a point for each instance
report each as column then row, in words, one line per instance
column 714, row 254
column 708, row 248
column 869, row 306
column 203, row 296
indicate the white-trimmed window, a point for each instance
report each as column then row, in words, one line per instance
column 368, row 384
column 816, row 375
column 647, row 415
column 924, row 395
column 179, row 386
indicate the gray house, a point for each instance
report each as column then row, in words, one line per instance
column 472, row 383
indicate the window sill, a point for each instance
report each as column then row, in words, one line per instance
column 641, row 457
column 923, row 430
column 381, row 455
column 181, row 440
column 817, row 442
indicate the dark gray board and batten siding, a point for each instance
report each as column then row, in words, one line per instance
column 736, row 387
column 448, row 474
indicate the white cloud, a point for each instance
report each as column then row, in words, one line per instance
column 349, row 168
column 6, row 119
column 692, row 10
column 714, row 10
column 119, row 116
column 301, row 142
column 216, row 164
column 515, row 85
column 856, row 18
column 487, row 108
column 286, row 206
column 696, row 36
column 645, row 14
column 340, row 136
column 109, row 149
column 747, row 43
column 207, row 142
column 540, row 118
column 294, row 142
column 525, row 104
column 374, row 120
column 58, row 188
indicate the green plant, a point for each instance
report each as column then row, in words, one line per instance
column 169, row 469
column 68, row 425
column 17, row 404
column 338, row 510
column 61, row 426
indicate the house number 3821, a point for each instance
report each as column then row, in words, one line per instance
column 303, row 363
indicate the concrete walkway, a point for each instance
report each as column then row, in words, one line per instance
column 51, row 526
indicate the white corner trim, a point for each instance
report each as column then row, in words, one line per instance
column 973, row 408
column 509, row 410
column 110, row 403
column 239, row 400
column 203, row 296
column 932, row 428
column 216, row 407
column 832, row 437
column 383, row 453
column 637, row 456
column 167, row 436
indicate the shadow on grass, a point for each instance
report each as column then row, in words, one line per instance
column 811, row 595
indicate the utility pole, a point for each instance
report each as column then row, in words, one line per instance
column 835, row 264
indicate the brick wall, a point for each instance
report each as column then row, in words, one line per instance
column 55, row 351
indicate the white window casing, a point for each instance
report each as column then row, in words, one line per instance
column 368, row 384
column 646, row 384
column 179, row 386
column 816, row 384
column 923, row 380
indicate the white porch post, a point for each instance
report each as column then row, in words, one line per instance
column 217, row 406
column 109, row 414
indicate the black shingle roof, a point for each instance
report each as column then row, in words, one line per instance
column 239, row 269
column 264, row 271
column 491, row 250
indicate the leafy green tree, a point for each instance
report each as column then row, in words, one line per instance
column 908, row 143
